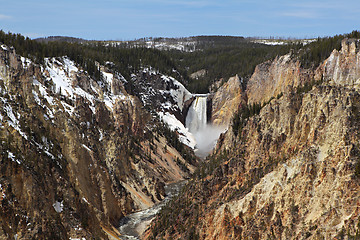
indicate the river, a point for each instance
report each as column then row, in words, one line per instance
column 133, row 225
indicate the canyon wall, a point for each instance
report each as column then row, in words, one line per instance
column 291, row 171
column 76, row 154
column 275, row 77
column 226, row 101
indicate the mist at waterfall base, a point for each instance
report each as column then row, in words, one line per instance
column 206, row 135
column 206, row 139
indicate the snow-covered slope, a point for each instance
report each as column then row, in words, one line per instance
column 180, row 45
column 168, row 97
column 185, row 136
column 77, row 153
column 62, row 73
column 185, row 46
column 168, row 93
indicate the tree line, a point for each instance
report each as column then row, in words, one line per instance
column 221, row 56
column 125, row 60
column 316, row 52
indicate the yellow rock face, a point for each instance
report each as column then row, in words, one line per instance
column 226, row 101
column 275, row 77
column 293, row 170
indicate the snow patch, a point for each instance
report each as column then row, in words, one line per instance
column 25, row 62
column 101, row 135
column 58, row 206
column 184, row 135
column 43, row 92
column 108, row 77
column 69, row 109
column 60, row 74
column 13, row 121
column 50, row 114
column 273, row 42
column 70, row 65
column 180, row 94
column 49, row 154
column 170, row 97
column 3, row 195
column 184, row 46
column 4, row 47
column 36, row 97
column 13, row 158
column 86, row 147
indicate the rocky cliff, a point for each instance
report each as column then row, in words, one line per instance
column 342, row 68
column 269, row 80
column 226, row 101
column 275, row 77
column 76, row 154
column 291, row 172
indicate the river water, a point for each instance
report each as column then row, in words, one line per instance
column 133, row 225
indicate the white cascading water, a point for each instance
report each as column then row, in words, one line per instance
column 205, row 134
column 196, row 117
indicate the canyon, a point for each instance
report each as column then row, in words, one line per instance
column 289, row 171
column 77, row 155
column 274, row 155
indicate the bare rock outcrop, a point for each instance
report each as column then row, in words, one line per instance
column 198, row 74
column 226, row 101
column 275, row 77
column 305, row 155
column 342, row 68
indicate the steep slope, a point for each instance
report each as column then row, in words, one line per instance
column 292, row 172
column 275, row 77
column 166, row 97
column 342, row 68
column 77, row 154
column 226, row 101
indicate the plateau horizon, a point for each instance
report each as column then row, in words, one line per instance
column 134, row 19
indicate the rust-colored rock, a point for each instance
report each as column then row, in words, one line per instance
column 226, row 101
column 293, row 170
column 276, row 77
column 76, row 159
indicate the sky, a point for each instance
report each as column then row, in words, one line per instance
column 133, row 19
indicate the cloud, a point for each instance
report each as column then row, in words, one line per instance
column 4, row 17
column 315, row 5
column 301, row 14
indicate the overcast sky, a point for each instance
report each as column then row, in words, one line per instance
column 130, row 19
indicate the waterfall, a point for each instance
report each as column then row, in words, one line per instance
column 205, row 134
column 196, row 118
